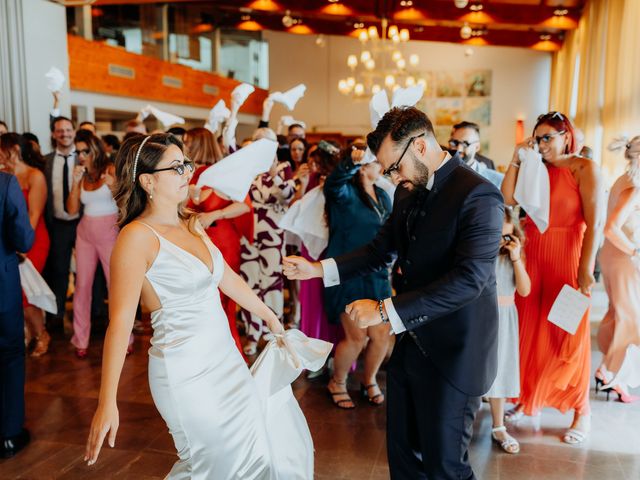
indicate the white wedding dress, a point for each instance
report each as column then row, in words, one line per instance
column 199, row 381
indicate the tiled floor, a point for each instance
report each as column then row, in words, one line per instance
column 62, row 392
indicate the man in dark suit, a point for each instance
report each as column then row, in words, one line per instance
column 60, row 224
column 465, row 138
column 16, row 235
column 445, row 229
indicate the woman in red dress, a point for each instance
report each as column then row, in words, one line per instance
column 555, row 365
column 18, row 153
column 225, row 221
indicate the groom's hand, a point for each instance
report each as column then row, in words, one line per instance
column 365, row 313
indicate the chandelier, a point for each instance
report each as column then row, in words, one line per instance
column 381, row 63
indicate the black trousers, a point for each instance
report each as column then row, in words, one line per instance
column 62, row 234
column 12, row 370
column 429, row 422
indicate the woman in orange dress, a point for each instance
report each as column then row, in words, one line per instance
column 555, row 365
column 225, row 221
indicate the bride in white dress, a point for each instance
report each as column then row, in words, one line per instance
column 199, row 381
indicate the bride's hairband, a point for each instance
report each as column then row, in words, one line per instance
column 135, row 161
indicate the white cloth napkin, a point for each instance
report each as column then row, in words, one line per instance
column 279, row 364
column 36, row 289
column 55, row 79
column 387, row 185
column 218, row 114
column 306, row 219
column 229, row 133
column 532, row 190
column 234, row 174
column 290, row 97
column 240, row 94
column 407, row 97
column 167, row 119
column 378, row 106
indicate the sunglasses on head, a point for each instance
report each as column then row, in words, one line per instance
column 550, row 115
column 453, row 143
column 179, row 168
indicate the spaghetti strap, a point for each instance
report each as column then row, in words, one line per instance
column 149, row 227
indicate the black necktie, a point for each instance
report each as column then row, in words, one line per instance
column 65, row 181
column 417, row 205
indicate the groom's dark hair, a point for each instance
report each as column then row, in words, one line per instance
column 401, row 123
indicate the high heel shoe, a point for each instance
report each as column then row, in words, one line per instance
column 81, row 353
column 364, row 391
column 623, row 397
column 42, row 344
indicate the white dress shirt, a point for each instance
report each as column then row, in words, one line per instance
column 56, row 184
column 331, row 276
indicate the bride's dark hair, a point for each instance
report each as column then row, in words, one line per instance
column 129, row 195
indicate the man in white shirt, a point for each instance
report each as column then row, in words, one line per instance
column 60, row 224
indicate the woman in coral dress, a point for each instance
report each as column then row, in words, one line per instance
column 619, row 332
column 555, row 365
column 25, row 162
column 226, row 221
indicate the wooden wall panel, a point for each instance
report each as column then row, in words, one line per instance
column 89, row 71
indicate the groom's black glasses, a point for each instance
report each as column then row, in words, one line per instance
column 179, row 169
column 396, row 165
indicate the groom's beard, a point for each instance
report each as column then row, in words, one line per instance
column 421, row 174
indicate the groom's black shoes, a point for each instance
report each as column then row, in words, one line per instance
column 12, row 445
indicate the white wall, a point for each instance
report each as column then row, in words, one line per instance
column 45, row 46
column 520, row 83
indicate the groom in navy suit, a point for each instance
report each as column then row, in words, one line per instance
column 445, row 229
column 16, row 235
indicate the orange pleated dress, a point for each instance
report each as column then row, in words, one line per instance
column 554, row 365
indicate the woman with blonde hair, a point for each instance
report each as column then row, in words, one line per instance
column 619, row 332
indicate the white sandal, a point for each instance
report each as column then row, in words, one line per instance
column 513, row 415
column 573, row 436
column 509, row 444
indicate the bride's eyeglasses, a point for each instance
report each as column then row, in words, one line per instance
column 179, row 168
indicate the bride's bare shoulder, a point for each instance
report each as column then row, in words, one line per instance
column 138, row 237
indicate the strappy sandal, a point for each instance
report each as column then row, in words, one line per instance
column 364, row 390
column 573, row 436
column 513, row 415
column 509, row 444
column 344, row 402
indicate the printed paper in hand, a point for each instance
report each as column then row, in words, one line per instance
column 234, row 174
column 568, row 309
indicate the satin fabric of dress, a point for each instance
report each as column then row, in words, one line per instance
column 199, row 380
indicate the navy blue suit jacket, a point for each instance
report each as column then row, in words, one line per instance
column 16, row 235
column 447, row 249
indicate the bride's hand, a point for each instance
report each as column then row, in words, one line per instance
column 299, row 268
column 105, row 420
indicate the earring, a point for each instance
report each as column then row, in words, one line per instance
column 151, row 195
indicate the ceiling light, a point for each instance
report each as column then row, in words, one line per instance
column 404, row 35
column 476, row 8
column 466, row 31
column 560, row 12
column 352, row 61
column 414, row 59
column 461, row 3
column 392, row 31
column 287, row 20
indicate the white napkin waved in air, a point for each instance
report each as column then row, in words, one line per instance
column 290, row 97
column 229, row 133
column 167, row 119
column 407, row 97
column 378, row 106
column 280, row 363
column 55, row 79
column 234, row 174
column 218, row 114
column 240, row 94
column 532, row 190
column 305, row 218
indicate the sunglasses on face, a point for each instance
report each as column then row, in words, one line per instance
column 546, row 138
column 179, row 168
column 456, row 143
column 396, row 165
column 86, row 152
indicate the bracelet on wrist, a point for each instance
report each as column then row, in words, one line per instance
column 515, row 165
column 516, row 260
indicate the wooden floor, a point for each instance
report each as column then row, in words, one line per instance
column 61, row 395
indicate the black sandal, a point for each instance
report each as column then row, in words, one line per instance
column 341, row 403
column 364, row 389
